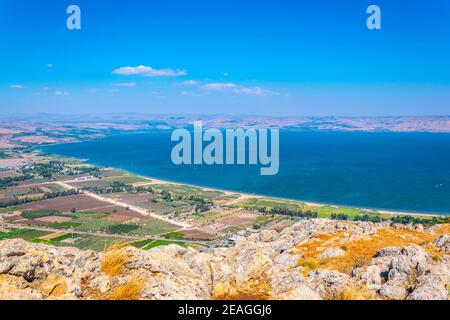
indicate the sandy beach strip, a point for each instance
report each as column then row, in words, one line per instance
column 243, row 196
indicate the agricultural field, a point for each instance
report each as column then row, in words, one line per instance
column 185, row 191
column 96, row 243
column 158, row 208
column 65, row 204
column 8, row 174
column 197, row 234
column 270, row 203
column 158, row 243
column 25, row 234
column 91, row 222
column 78, row 203
column 231, row 220
column 29, row 190
column 116, row 210
column 327, row 211
column 323, row 211
column 93, row 183
column 135, row 198
column 110, row 172
column 225, row 199
column 154, row 227
column 126, row 178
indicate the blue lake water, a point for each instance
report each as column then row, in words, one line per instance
column 393, row 171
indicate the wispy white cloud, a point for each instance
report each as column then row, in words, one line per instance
column 220, row 86
column 62, row 93
column 188, row 83
column 49, row 65
column 16, row 86
column 237, row 89
column 125, row 84
column 149, row 71
column 255, row 91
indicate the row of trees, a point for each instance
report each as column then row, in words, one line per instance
column 401, row 219
column 45, row 170
column 198, row 203
column 93, row 171
column 12, row 181
column 113, row 187
column 308, row 214
column 55, row 167
column 338, row 216
column 297, row 213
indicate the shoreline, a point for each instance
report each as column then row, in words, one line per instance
column 245, row 195
column 308, row 203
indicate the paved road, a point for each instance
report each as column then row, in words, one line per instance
column 142, row 211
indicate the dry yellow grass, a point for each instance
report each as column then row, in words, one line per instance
column 350, row 293
column 359, row 252
column 436, row 255
column 115, row 257
column 308, row 264
column 130, row 290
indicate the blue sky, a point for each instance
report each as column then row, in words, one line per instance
column 238, row 57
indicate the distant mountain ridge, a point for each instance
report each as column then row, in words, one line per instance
column 160, row 121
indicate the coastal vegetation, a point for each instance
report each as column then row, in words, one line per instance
column 303, row 211
column 113, row 187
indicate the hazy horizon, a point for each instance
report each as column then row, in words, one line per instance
column 268, row 58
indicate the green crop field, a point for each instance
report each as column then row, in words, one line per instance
column 183, row 190
column 262, row 220
column 126, row 179
column 142, row 243
column 90, row 222
column 64, row 237
column 154, row 226
column 326, row 211
column 173, row 235
column 122, row 228
column 159, row 208
column 9, row 209
column 158, row 243
column 25, row 234
column 96, row 243
column 271, row 203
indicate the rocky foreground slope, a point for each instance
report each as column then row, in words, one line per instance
column 313, row 259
